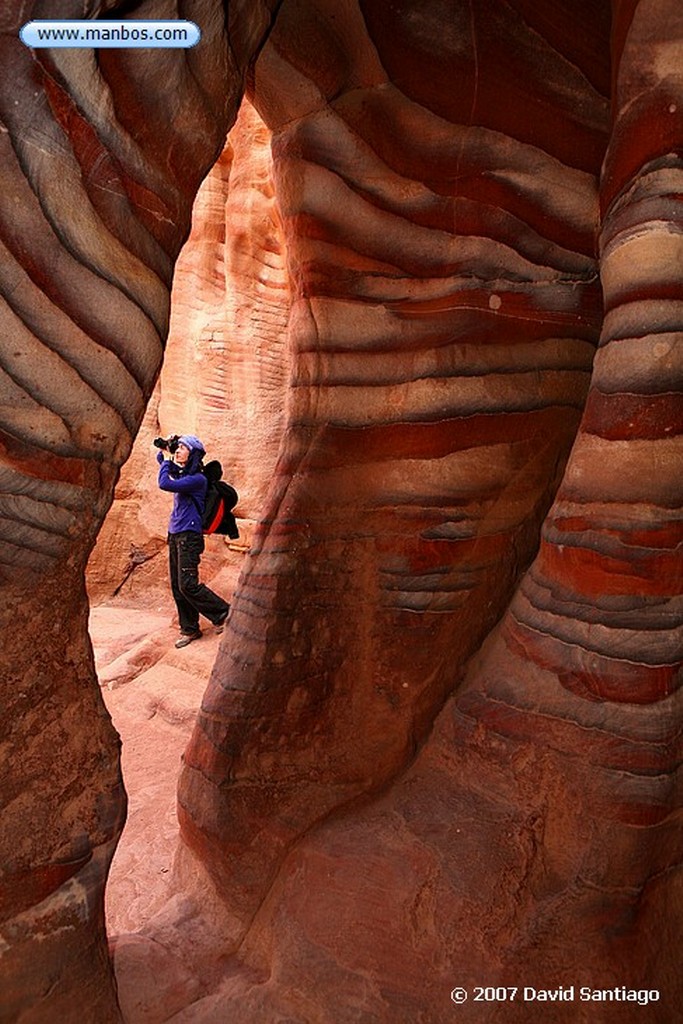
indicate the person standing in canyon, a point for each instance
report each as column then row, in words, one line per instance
column 180, row 472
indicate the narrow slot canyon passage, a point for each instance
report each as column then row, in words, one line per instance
column 153, row 711
column 224, row 378
column 427, row 315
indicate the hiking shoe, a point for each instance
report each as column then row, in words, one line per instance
column 186, row 638
column 219, row 626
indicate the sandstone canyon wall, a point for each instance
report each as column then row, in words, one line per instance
column 440, row 742
column 445, row 310
column 226, row 367
column 95, row 204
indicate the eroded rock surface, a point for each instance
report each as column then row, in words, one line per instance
column 431, row 232
column 226, row 369
column 95, row 203
column 439, row 742
column 445, row 310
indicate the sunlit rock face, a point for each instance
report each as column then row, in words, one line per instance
column 226, row 373
column 226, row 369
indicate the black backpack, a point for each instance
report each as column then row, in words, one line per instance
column 221, row 499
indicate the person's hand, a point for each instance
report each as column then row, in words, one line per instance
column 160, row 456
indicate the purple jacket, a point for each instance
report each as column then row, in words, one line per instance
column 186, row 514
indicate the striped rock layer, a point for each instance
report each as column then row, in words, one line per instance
column 95, row 202
column 535, row 840
column 226, row 370
column 446, row 307
column 438, row 747
column 225, row 375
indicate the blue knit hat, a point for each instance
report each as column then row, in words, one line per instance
column 192, row 442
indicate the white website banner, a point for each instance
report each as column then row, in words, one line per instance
column 112, row 34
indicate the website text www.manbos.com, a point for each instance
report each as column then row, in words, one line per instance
column 119, row 34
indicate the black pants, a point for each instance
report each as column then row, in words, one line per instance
column 192, row 598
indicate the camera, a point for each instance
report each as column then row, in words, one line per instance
column 167, row 444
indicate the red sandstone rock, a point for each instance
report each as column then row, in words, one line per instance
column 95, row 203
column 157, row 983
column 226, row 367
column 529, row 842
column 365, row 813
column 445, row 308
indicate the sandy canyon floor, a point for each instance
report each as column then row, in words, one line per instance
column 152, row 692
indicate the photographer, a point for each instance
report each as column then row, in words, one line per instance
column 180, row 471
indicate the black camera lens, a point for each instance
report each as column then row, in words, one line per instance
column 167, row 444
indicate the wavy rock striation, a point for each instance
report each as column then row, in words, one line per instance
column 95, row 202
column 439, row 745
column 535, row 840
column 226, row 368
column 445, row 312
